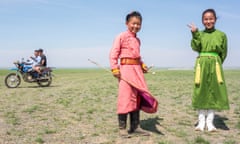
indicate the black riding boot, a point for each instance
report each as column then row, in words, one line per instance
column 122, row 120
column 135, row 124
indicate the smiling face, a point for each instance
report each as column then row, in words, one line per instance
column 209, row 20
column 134, row 24
column 36, row 53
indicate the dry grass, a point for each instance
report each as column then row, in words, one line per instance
column 80, row 108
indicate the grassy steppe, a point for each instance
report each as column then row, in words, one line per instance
column 80, row 108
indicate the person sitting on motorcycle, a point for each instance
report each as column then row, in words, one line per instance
column 43, row 61
column 36, row 61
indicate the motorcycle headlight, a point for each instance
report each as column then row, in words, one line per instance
column 16, row 62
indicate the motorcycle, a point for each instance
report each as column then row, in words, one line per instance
column 24, row 69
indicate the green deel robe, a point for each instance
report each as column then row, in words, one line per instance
column 210, row 94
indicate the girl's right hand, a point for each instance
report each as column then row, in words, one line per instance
column 116, row 73
column 144, row 68
column 192, row 27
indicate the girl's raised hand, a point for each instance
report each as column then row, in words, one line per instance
column 192, row 27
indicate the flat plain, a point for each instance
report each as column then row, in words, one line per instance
column 80, row 108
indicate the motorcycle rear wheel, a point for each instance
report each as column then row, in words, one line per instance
column 45, row 83
column 12, row 80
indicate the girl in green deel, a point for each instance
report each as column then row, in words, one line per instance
column 210, row 93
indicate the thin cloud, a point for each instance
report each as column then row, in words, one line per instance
column 229, row 15
column 10, row 3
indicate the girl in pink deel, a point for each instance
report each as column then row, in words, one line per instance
column 125, row 62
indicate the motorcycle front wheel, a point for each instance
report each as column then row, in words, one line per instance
column 12, row 80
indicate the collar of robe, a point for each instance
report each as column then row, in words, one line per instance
column 131, row 33
column 210, row 30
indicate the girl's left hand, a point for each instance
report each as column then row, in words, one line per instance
column 192, row 27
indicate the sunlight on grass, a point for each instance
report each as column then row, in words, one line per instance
column 80, row 107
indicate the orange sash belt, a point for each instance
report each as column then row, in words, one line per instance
column 130, row 61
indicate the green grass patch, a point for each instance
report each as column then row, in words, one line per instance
column 238, row 124
column 49, row 131
column 39, row 140
column 65, row 101
column 12, row 118
column 32, row 109
column 230, row 142
column 200, row 140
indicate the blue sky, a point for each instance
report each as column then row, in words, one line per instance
column 71, row 31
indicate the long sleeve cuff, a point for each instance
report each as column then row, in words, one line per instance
column 195, row 35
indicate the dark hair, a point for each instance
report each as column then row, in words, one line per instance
column 211, row 11
column 133, row 14
column 40, row 50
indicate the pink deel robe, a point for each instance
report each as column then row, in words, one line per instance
column 127, row 45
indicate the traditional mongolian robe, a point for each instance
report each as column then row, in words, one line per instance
column 127, row 45
column 210, row 87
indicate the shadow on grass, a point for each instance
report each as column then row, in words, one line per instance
column 36, row 86
column 219, row 122
column 151, row 123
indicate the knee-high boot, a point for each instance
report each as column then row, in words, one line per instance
column 135, row 124
column 201, row 120
column 210, row 118
column 122, row 121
